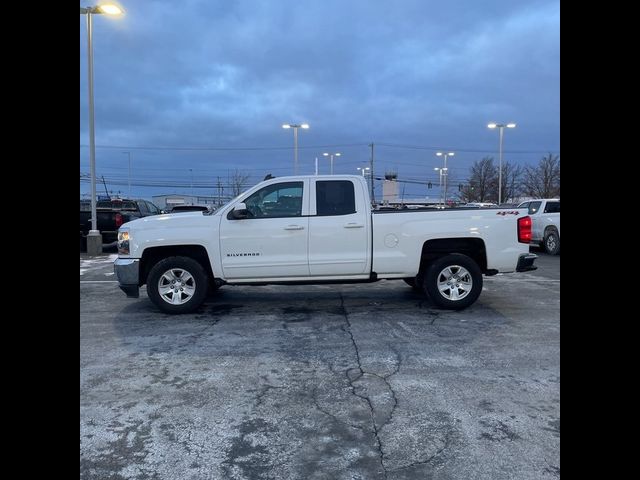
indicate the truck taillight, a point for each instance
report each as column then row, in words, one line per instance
column 524, row 230
column 119, row 220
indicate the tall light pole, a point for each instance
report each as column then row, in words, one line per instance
column 295, row 142
column 363, row 169
column 501, row 126
column 94, row 238
column 445, row 174
column 442, row 172
column 332, row 155
column 191, row 170
column 129, row 154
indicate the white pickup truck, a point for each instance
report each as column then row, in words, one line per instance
column 319, row 229
column 545, row 215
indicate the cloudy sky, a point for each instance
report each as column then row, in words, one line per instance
column 197, row 89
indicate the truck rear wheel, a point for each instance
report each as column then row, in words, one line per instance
column 551, row 242
column 453, row 282
column 177, row 284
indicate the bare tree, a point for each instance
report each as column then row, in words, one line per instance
column 511, row 181
column 238, row 180
column 543, row 181
column 483, row 182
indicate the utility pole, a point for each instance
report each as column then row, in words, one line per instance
column 129, row 154
column 373, row 198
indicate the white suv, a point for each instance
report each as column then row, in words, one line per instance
column 545, row 215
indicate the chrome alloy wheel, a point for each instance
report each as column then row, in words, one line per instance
column 551, row 242
column 176, row 286
column 454, row 282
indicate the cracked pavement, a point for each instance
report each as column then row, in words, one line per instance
column 321, row 382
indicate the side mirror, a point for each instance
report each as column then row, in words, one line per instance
column 240, row 211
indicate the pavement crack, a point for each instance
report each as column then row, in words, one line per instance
column 329, row 414
column 264, row 389
column 375, row 429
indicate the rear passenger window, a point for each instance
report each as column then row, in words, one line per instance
column 335, row 197
column 552, row 207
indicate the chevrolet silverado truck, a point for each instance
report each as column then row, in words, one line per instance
column 545, row 218
column 319, row 229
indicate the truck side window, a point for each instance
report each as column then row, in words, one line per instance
column 552, row 207
column 533, row 207
column 143, row 207
column 277, row 200
column 335, row 197
column 153, row 209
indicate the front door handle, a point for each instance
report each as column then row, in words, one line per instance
column 294, row 227
column 354, row 225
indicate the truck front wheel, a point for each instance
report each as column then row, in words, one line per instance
column 453, row 282
column 177, row 284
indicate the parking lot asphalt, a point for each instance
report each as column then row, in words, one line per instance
column 350, row 382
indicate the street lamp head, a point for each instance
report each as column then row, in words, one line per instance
column 106, row 8
column 439, row 154
column 110, row 9
column 451, row 154
column 338, row 154
column 511, row 125
column 286, row 125
column 445, row 169
column 304, row 125
column 436, row 169
column 325, row 154
column 492, row 125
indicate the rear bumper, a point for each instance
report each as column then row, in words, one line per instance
column 525, row 262
column 127, row 272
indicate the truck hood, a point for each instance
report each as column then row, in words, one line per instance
column 171, row 220
column 192, row 228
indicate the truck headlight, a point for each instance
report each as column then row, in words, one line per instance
column 123, row 242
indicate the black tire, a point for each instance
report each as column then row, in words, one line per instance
column 551, row 243
column 434, row 274
column 199, row 284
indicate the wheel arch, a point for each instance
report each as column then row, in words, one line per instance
column 473, row 248
column 152, row 255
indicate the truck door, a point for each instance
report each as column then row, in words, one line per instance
column 339, row 229
column 273, row 241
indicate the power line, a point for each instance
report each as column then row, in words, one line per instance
column 341, row 145
column 458, row 149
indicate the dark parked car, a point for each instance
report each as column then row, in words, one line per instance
column 111, row 214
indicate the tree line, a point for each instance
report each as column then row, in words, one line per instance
column 539, row 181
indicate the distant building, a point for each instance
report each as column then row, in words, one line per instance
column 390, row 188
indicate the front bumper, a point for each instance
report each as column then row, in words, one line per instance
column 525, row 262
column 127, row 272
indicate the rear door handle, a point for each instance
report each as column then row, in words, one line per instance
column 354, row 225
column 294, row 227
